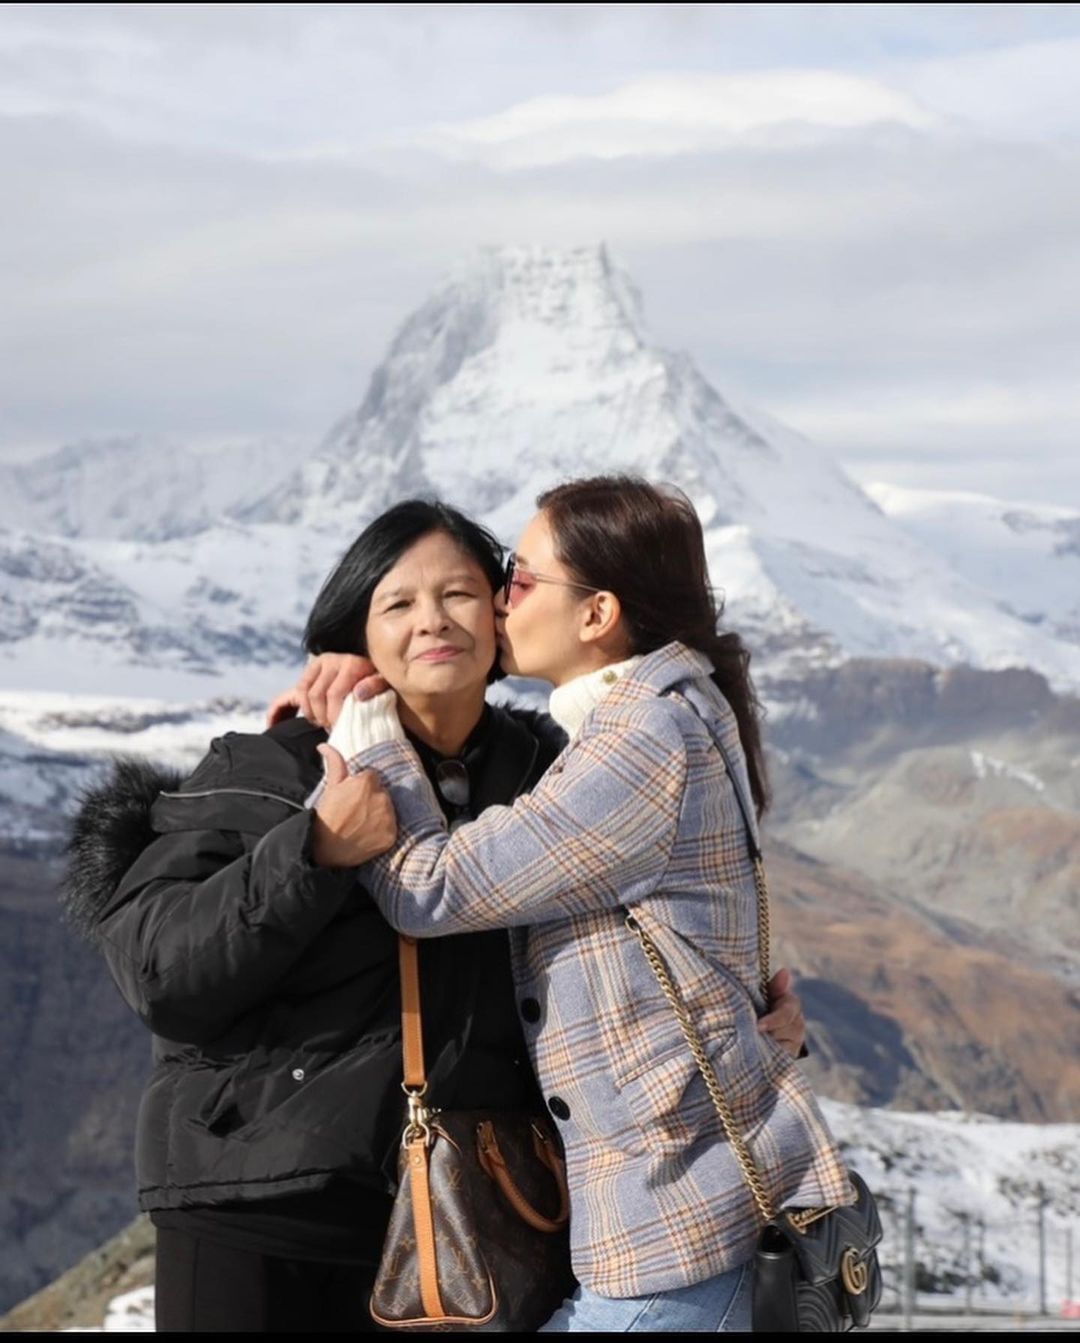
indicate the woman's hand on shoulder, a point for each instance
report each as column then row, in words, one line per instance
column 355, row 820
column 326, row 683
column 784, row 1021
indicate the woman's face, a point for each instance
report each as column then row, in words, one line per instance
column 539, row 635
column 431, row 627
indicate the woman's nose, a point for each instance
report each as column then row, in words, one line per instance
column 433, row 617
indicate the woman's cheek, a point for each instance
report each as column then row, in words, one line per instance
column 391, row 669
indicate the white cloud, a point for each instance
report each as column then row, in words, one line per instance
column 1026, row 90
column 1015, row 441
column 676, row 113
column 892, row 418
column 205, row 231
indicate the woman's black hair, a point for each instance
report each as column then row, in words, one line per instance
column 338, row 620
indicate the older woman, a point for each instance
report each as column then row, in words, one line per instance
column 647, row 810
column 234, row 926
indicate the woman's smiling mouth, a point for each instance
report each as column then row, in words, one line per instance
column 444, row 653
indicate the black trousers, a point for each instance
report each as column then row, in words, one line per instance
column 202, row 1287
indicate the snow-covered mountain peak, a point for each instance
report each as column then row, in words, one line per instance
column 578, row 292
column 514, row 366
column 529, row 365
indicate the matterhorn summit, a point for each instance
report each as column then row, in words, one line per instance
column 528, row 366
column 531, row 365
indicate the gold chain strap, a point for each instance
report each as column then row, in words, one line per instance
column 738, row 1146
column 804, row 1217
column 764, row 927
column 801, row 1218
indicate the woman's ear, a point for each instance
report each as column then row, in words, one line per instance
column 603, row 614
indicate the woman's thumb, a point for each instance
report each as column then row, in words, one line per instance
column 336, row 769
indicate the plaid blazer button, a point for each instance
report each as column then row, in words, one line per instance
column 559, row 1107
column 530, row 1010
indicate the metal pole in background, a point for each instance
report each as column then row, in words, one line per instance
column 909, row 1260
column 1042, row 1250
column 1068, row 1264
column 982, row 1257
column 968, row 1275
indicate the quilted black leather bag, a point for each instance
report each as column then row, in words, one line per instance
column 824, row 1278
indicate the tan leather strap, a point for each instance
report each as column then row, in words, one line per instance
column 494, row 1163
column 412, row 1030
column 416, row 1153
column 417, row 1139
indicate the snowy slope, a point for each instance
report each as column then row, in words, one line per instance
column 956, row 1165
column 220, row 612
column 140, row 488
column 966, row 1165
column 53, row 745
column 1028, row 554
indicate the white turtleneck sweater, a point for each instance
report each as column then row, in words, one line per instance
column 573, row 701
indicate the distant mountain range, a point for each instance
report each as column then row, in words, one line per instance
column 161, row 569
column 1027, row 554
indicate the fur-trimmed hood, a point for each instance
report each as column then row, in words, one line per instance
column 109, row 831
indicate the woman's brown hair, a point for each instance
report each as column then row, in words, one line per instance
column 644, row 543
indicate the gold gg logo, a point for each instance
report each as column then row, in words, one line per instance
column 853, row 1272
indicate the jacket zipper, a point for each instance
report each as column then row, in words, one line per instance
column 244, row 792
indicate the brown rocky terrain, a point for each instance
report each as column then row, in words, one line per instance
column 78, row 1298
column 73, row 1058
column 958, row 791
column 904, row 1012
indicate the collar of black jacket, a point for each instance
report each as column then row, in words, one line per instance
column 502, row 755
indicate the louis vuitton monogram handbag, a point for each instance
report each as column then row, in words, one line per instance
column 479, row 1234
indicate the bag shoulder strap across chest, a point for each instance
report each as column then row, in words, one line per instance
column 736, row 773
column 737, row 776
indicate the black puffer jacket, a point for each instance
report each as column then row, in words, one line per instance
column 270, row 984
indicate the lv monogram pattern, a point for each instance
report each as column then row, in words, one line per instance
column 496, row 1273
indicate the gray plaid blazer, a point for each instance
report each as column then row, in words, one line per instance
column 639, row 812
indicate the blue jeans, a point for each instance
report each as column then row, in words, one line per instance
column 719, row 1305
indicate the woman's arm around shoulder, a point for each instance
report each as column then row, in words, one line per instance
column 595, row 833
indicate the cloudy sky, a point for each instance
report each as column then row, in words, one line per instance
column 865, row 218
